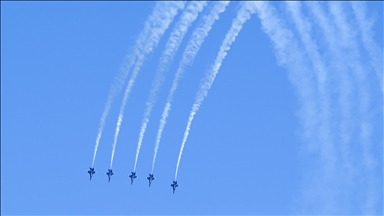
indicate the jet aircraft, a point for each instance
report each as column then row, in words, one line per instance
column 150, row 179
column 91, row 172
column 174, row 185
column 132, row 176
column 109, row 174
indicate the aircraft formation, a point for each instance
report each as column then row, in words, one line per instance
column 132, row 176
column 157, row 23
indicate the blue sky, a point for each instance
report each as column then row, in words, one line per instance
column 292, row 123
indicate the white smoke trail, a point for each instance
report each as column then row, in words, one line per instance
column 348, row 36
column 157, row 28
column 342, row 43
column 326, row 145
column 325, row 142
column 335, row 164
column 187, row 18
column 345, row 57
column 376, row 60
column 290, row 55
column 365, row 25
column 120, row 78
column 189, row 54
column 245, row 12
column 304, row 28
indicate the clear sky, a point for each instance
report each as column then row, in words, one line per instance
column 292, row 124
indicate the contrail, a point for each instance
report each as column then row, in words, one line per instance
column 360, row 74
column 120, row 78
column 325, row 144
column 245, row 12
column 189, row 54
column 343, row 61
column 304, row 28
column 291, row 55
column 374, row 51
column 346, row 88
column 157, row 28
column 376, row 60
column 342, row 43
column 187, row 18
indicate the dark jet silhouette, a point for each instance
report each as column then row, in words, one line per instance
column 91, row 172
column 132, row 176
column 174, row 185
column 109, row 174
column 150, row 179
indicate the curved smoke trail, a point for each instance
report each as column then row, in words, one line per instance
column 120, row 78
column 245, row 12
column 342, row 44
column 161, row 21
column 187, row 18
column 367, row 35
column 359, row 72
column 376, row 60
column 189, row 54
